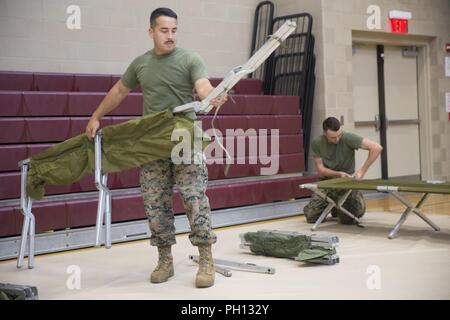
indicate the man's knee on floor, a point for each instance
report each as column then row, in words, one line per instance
column 311, row 215
column 345, row 219
column 358, row 209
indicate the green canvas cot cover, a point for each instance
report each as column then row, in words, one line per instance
column 442, row 187
column 276, row 245
column 124, row 146
column 287, row 245
column 10, row 291
column 314, row 253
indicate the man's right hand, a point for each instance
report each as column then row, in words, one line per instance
column 344, row 174
column 92, row 127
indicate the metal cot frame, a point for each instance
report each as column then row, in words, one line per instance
column 103, row 209
column 393, row 190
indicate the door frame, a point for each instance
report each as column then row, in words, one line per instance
column 423, row 44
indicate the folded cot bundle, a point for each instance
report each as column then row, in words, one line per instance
column 18, row 292
column 285, row 244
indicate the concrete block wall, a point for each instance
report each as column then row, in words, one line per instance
column 34, row 35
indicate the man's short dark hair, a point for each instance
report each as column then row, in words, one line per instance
column 161, row 12
column 331, row 123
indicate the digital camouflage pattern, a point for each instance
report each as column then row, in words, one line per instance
column 355, row 204
column 157, row 181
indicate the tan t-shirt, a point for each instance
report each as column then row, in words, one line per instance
column 167, row 81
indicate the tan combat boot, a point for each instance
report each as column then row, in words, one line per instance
column 206, row 272
column 164, row 269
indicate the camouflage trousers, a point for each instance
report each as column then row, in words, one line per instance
column 157, row 180
column 355, row 204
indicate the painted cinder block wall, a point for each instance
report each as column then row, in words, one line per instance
column 338, row 22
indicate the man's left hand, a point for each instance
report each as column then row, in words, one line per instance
column 359, row 174
column 217, row 102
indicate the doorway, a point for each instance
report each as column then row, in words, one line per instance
column 385, row 95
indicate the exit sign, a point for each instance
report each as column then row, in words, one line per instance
column 399, row 21
column 399, row 25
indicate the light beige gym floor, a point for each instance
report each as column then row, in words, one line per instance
column 415, row 265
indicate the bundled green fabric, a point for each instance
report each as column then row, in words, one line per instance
column 18, row 292
column 315, row 253
column 124, row 146
column 291, row 245
column 276, row 245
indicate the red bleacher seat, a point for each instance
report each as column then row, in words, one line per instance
column 244, row 193
column 285, row 105
column 126, row 179
column 127, row 207
column 52, row 189
column 248, row 86
column 92, row 83
column 16, row 80
column 53, row 82
column 87, row 183
column 9, row 185
column 177, row 203
column 258, row 104
column 84, row 104
column 131, row 105
column 294, row 162
column 12, row 130
column 290, row 144
column 49, row 216
column 8, row 225
column 218, row 198
column 47, row 129
column 288, row 124
column 10, row 104
column 10, row 155
column 81, row 213
column 244, row 86
column 45, row 104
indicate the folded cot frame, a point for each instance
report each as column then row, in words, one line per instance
column 103, row 208
column 393, row 187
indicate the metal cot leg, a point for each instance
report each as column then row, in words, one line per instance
column 410, row 208
column 331, row 204
column 28, row 227
column 32, row 237
column 107, row 218
column 104, row 201
column 99, row 223
column 324, row 214
column 341, row 202
column 23, row 240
